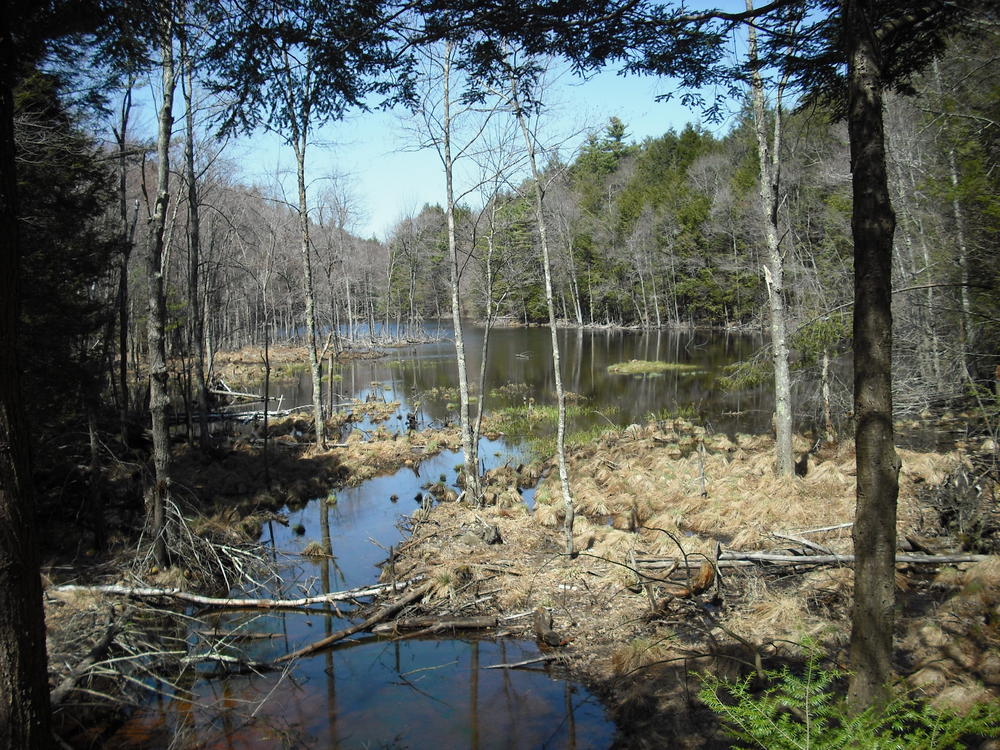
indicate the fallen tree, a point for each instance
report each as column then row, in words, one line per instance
column 735, row 558
column 139, row 592
column 383, row 614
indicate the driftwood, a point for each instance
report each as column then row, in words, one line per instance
column 845, row 559
column 526, row 662
column 736, row 559
column 64, row 688
column 224, row 603
column 383, row 614
column 437, row 623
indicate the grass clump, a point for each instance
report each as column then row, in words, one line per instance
column 314, row 549
column 647, row 367
column 795, row 712
column 536, row 425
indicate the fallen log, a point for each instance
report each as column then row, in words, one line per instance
column 804, row 542
column 437, row 623
column 59, row 693
column 227, row 603
column 821, row 529
column 846, row 559
column 383, row 614
column 236, row 394
column 735, row 559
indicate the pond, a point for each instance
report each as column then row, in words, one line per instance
column 372, row 692
column 522, row 356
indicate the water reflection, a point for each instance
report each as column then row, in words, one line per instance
column 412, row 693
column 369, row 692
column 522, row 355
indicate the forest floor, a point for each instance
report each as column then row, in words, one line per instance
column 634, row 626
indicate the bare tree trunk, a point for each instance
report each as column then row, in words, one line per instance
column 158, row 376
column 827, row 414
column 965, row 329
column 488, row 325
column 873, row 225
column 24, row 689
column 470, row 450
column 194, row 247
column 770, row 180
column 539, row 191
column 299, row 143
column 121, row 137
column 350, row 308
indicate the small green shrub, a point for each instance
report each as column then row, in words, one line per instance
column 806, row 712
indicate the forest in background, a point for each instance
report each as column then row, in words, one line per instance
column 661, row 233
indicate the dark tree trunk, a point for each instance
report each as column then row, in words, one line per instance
column 24, row 690
column 873, row 224
column 121, row 135
column 158, row 375
column 194, row 248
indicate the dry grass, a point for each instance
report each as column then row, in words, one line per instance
column 650, row 478
column 641, row 479
column 314, row 549
column 641, row 652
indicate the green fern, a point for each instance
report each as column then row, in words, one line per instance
column 804, row 712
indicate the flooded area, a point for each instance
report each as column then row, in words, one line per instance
column 522, row 356
column 435, row 692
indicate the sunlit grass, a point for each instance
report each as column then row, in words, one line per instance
column 535, row 424
column 647, row 367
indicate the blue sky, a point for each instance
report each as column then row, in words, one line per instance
column 373, row 153
column 390, row 179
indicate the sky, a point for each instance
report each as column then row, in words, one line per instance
column 376, row 156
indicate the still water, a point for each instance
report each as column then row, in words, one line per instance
column 522, row 356
column 373, row 693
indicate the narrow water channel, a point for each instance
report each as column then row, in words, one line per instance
column 372, row 693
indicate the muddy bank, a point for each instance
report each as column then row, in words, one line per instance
column 655, row 593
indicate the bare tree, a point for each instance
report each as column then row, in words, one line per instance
column 155, row 266
column 518, row 108
column 768, row 155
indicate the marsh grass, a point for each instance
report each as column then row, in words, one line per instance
column 535, row 424
column 647, row 367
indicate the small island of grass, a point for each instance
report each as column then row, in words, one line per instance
column 646, row 367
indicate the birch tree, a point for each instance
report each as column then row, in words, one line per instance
column 769, row 160
column 520, row 109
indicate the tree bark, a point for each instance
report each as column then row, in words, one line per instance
column 127, row 230
column 539, row 191
column 774, row 267
column 194, row 247
column 470, row 450
column 158, row 376
column 873, row 225
column 24, row 690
